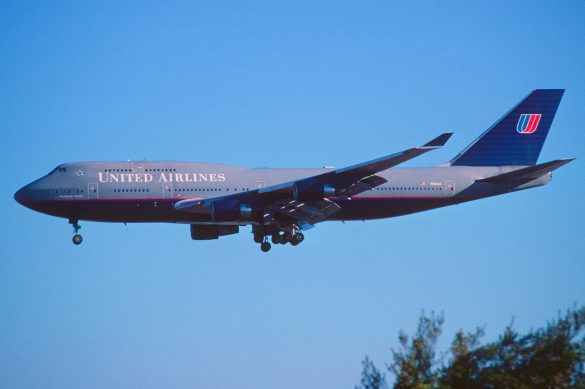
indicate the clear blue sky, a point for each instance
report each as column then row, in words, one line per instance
column 275, row 84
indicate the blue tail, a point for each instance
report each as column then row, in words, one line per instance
column 517, row 138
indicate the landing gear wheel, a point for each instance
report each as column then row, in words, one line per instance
column 286, row 237
column 77, row 239
column 265, row 247
column 298, row 238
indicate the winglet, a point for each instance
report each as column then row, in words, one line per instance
column 439, row 141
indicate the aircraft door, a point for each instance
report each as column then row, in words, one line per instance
column 167, row 190
column 138, row 167
column 449, row 187
column 92, row 191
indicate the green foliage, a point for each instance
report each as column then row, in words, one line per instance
column 551, row 357
column 413, row 363
column 372, row 378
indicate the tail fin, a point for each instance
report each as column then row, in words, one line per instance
column 517, row 138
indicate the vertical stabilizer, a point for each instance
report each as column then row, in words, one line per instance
column 518, row 136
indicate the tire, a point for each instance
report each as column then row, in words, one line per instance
column 265, row 247
column 77, row 239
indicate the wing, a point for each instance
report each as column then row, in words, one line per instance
column 306, row 200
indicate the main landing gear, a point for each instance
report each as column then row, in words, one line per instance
column 293, row 236
column 77, row 238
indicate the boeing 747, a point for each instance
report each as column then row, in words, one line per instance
column 216, row 200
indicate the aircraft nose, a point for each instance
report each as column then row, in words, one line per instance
column 21, row 195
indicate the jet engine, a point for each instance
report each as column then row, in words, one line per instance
column 214, row 231
column 312, row 191
column 224, row 211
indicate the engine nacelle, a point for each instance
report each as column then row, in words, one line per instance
column 312, row 191
column 207, row 232
column 223, row 212
column 245, row 211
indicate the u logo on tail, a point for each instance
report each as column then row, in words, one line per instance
column 528, row 123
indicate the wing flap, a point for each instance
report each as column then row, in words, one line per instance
column 360, row 186
column 311, row 213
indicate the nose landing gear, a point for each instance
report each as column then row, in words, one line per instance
column 77, row 238
column 265, row 246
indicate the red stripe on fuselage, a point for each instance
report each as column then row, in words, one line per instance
column 205, row 198
column 398, row 197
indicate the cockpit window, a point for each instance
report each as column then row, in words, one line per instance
column 57, row 169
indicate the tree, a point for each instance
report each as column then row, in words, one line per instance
column 372, row 378
column 550, row 357
column 413, row 363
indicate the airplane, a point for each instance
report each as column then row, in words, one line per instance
column 280, row 204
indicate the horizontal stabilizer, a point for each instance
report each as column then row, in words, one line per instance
column 526, row 174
